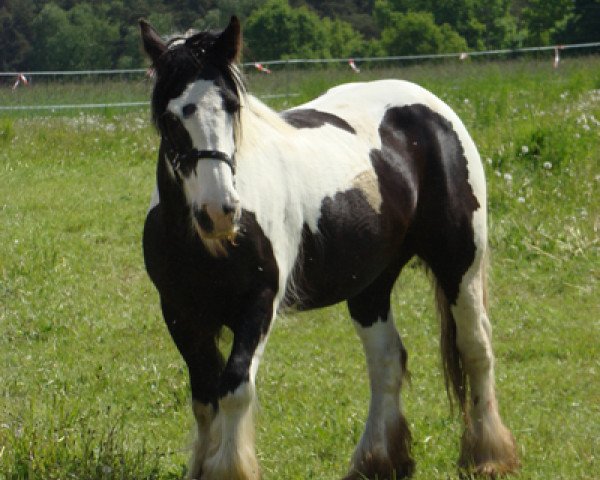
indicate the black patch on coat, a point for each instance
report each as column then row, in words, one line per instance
column 311, row 118
column 422, row 159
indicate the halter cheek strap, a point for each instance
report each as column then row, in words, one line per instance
column 196, row 155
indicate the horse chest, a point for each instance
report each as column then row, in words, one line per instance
column 185, row 273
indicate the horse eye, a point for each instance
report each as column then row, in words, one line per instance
column 188, row 110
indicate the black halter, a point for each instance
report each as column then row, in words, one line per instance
column 195, row 155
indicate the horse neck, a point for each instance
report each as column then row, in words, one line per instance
column 261, row 127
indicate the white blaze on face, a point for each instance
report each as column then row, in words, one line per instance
column 209, row 185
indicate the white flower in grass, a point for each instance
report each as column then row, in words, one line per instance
column 508, row 177
column 521, row 199
column 547, row 165
column 524, row 149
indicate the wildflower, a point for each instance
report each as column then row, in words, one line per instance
column 508, row 177
column 521, row 199
column 547, row 165
column 524, row 149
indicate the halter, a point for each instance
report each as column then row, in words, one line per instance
column 196, row 155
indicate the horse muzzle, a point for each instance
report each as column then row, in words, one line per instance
column 217, row 222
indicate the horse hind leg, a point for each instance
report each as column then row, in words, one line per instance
column 487, row 445
column 384, row 450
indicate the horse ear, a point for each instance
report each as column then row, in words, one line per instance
column 153, row 44
column 229, row 43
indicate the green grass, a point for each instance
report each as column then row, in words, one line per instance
column 91, row 386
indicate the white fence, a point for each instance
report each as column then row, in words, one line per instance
column 23, row 77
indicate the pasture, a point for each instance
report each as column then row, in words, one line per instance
column 92, row 387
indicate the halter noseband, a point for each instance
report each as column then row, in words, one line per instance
column 195, row 155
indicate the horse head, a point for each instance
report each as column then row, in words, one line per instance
column 196, row 107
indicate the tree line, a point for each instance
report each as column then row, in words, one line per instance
column 70, row 35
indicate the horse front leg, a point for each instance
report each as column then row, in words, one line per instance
column 231, row 452
column 198, row 347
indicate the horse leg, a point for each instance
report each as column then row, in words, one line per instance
column 487, row 445
column 231, row 452
column 384, row 448
column 204, row 361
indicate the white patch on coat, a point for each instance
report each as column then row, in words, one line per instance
column 211, row 128
column 231, row 450
column 383, row 350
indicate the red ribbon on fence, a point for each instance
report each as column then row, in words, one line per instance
column 557, row 54
column 261, row 68
column 21, row 79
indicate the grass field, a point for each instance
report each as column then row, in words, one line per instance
column 91, row 386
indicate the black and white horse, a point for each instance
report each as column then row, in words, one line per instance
column 255, row 211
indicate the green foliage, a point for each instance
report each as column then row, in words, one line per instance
column 543, row 19
column 7, row 131
column 15, row 25
column 277, row 30
column 417, row 33
column 584, row 23
column 73, row 39
column 63, row 34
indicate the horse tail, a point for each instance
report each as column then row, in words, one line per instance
column 455, row 377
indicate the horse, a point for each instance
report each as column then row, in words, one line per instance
column 257, row 211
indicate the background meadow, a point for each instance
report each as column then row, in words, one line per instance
column 91, row 386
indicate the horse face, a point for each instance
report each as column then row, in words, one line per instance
column 195, row 107
column 208, row 184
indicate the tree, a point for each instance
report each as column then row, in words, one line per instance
column 344, row 41
column 74, row 39
column 417, row 33
column 15, row 31
column 486, row 24
column 543, row 19
column 277, row 30
column 584, row 23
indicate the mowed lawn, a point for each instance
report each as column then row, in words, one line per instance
column 91, row 386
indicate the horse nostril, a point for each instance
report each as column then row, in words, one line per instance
column 228, row 208
column 204, row 220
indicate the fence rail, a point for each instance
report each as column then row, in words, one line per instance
column 27, row 75
column 291, row 61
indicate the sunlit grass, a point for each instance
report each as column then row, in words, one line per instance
column 91, row 385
